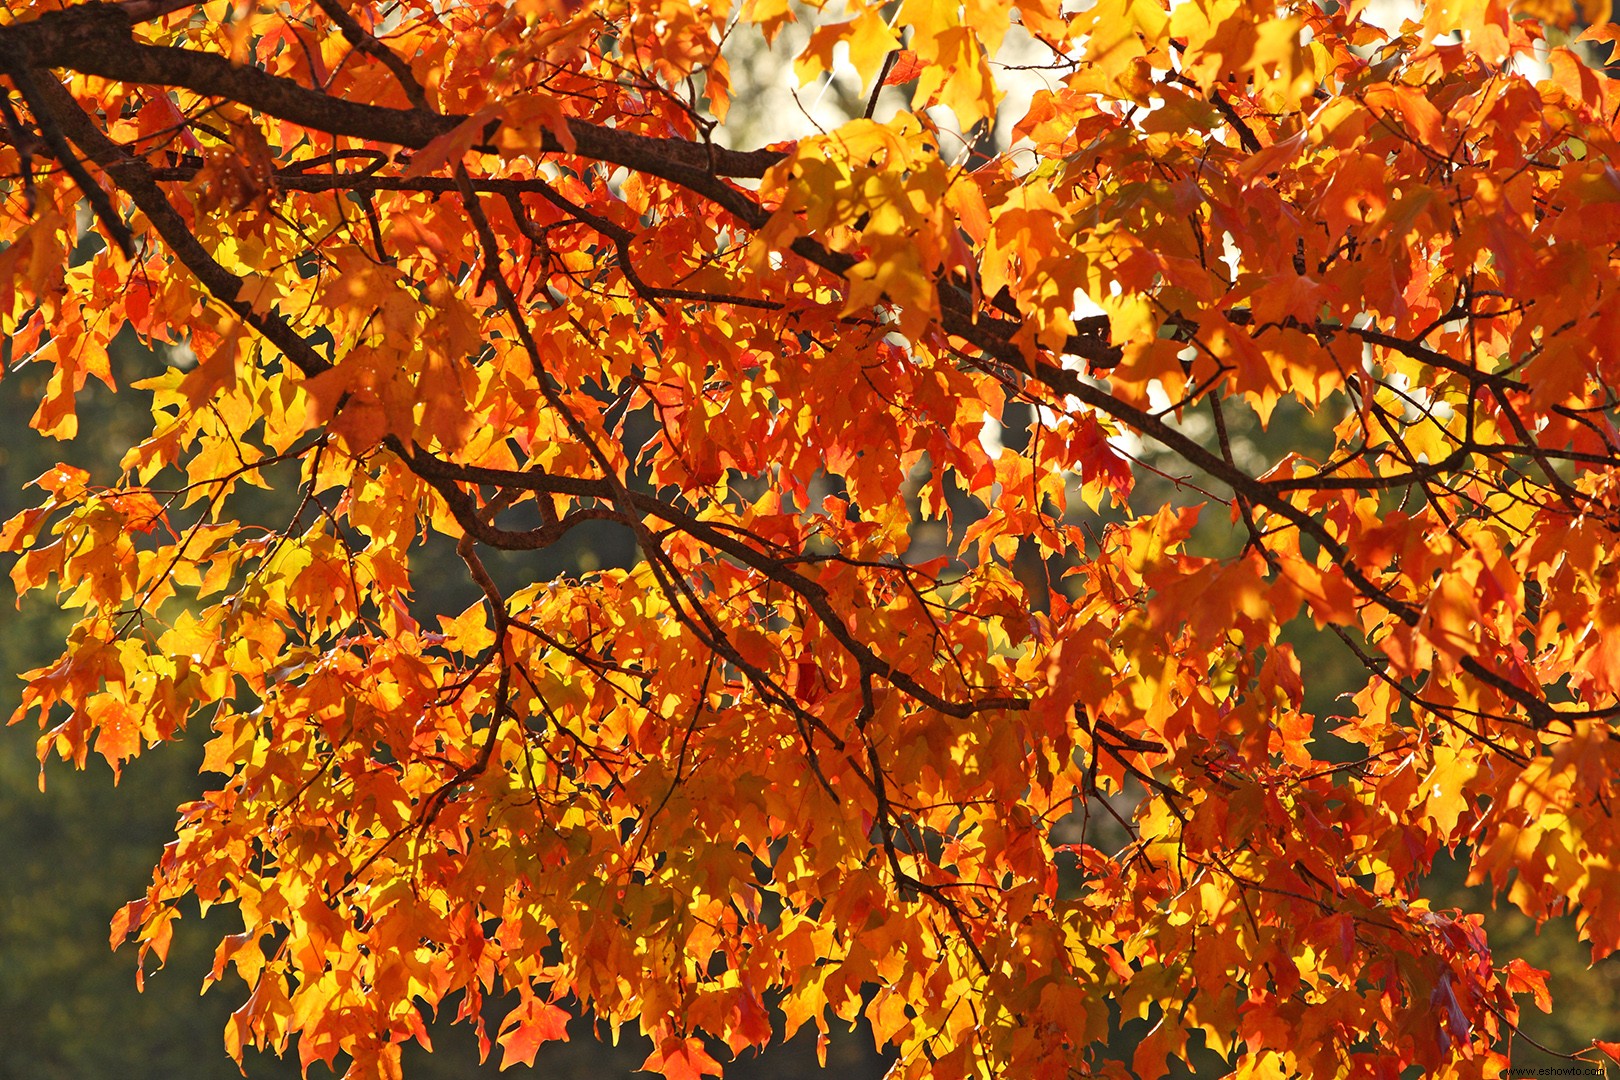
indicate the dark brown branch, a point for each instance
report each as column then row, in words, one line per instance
column 24, row 142
column 32, row 93
column 622, row 238
column 139, row 11
column 436, row 470
column 134, row 178
column 364, row 42
column 98, row 39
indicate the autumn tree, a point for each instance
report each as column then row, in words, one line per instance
column 486, row 274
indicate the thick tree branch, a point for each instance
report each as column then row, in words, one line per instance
column 134, row 177
column 100, row 204
column 364, row 42
column 98, row 39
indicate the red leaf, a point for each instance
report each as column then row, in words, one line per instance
column 126, row 921
column 906, row 67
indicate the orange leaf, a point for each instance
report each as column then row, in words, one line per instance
column 681, row 1059
column 527, row 1027
column 452, row 146
column 1524, row 979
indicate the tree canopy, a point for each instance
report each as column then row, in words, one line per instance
column 994, row 744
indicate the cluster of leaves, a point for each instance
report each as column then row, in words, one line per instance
column 491, row 273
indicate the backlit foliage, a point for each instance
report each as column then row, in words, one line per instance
column 490, row 272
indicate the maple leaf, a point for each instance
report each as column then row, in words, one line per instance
column 527, row 1027
column 680, row 1058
